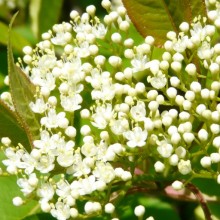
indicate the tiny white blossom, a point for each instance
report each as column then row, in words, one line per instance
column 165, row 149
column 136, row 138
column 184, row 167
column 138, row 112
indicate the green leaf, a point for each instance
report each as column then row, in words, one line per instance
column 9, row 190
column 154, row 207
column 9, row 126
column 156, row 18
column 40, row 216
column 22, row 91
column 212, row 190
column 42, row 18
column 214, row 208
column 18, row 42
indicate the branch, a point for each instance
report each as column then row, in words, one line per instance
column 201, row 200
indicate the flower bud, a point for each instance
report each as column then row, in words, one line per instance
column 139, row 210
column 206, row 162
column 195, row 87
column 190, row 95
column 17, row 201
column 184, row 167
column 203, row 135
column 173, row 160
column 159, row 167
column 216, row 142
column 184, row 27
column 215, row 157
column 109, row 208
column 177, row 185
column 171, row 92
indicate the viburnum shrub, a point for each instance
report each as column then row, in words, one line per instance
column 102, row 115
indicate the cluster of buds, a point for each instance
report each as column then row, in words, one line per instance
column 106, row 109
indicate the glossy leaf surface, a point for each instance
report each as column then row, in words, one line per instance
column 9, row 190
column 156, row 18
column 9, row 126
column 22, row 91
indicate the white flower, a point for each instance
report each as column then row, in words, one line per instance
column 102, row 116
column 62, row 35
column 71, row 103
column 84, row 186
column 99, row 30
column 49, row 144
column 39, row 106
column 104, row 172
column 14, row 160
column 53, row 119
column 28, row 163
column 139, row 63
column 25, row 184
column 184, row 167
column 83, row 49
column 72, row 71
column 89, row 149
column 158, row 81
column 205, row 51
column 165, row 149
column 136, row 138
column 63, row 189
column 65, row 158
column 78, row 168
column 138, row 112
column 61, row 211
column 47, row 62
column 181, row 44
column 46, row 192
column 119, row 126
column 45, row 163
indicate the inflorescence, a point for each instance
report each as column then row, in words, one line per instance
column 134, row 110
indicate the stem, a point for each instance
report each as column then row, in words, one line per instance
column 201, row 200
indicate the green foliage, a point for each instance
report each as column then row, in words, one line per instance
column 150, row 17
column 40, row 216
column 17, row 40
column 8, row 190
column 42, row 18
column 156, row 18
column 154, row 207
column 22, row 91
column 12, row 129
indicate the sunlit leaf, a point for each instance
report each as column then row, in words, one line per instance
column 17, row 41
column 22, row 91
column 9, row 126
column 156, row 18
column 9, row 190
column 44, row 14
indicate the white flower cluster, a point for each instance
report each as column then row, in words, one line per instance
column 98, row 122
column 214, row 11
